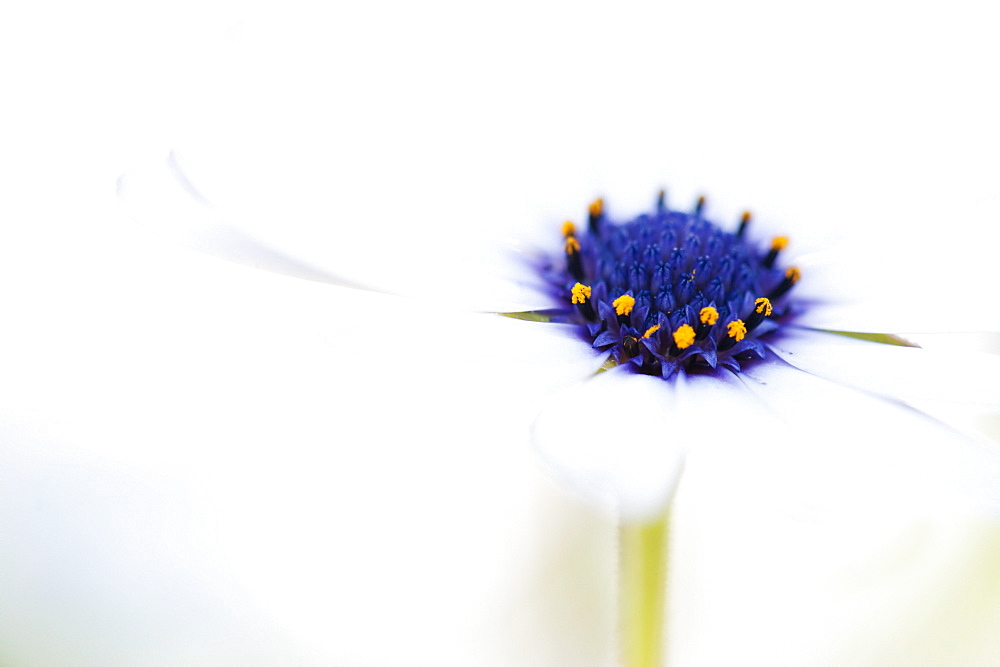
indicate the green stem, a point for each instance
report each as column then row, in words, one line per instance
column 642, row 589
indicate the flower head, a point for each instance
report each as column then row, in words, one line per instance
column 672, row 290
column 670, row 295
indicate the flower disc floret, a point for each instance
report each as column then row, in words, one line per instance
column 670, row 289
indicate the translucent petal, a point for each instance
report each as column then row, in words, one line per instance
column 620, row 439
column 161, row 197
column 855, row 288
column 901, row 591
column 820, row 449
column 902, row 311
column 366, row 248
column 906, row 373
column 846, row 515
column 230, row 465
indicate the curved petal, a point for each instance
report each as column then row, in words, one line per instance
column 899, row 592
column 819, row 446
column 161, row 197
column 364, row 248
column 620, row 439
column 849, row 288
column 835, row 514
column 229, row 465
column 900, row 309
column 906, row 373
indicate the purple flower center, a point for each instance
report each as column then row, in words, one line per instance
column 671, row 289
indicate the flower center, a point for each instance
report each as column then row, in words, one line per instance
column 671, row 290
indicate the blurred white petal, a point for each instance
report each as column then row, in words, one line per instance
column 370, row 249
column 893, row 287
column 620, row 440
column 830, row 449
column 915, row 592
column 227, row 464
column 162, row 198
column 961, row 376
column 859, row 533
column 608, row 439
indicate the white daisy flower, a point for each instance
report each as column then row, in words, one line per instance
column 730, row 334
column 202, row 462
column 728, row 363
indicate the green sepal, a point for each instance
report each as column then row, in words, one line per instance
column 608, row 364
column 884, row 338
column 531, row 315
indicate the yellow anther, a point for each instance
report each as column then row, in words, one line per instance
column 779, row 243
column 623, row 304
column 572, row 245
column 651, row 330
column 736, row 329
column 745, row 218
column 596, row 208
column 580, row 293
column 793, row 274
column 568, row 228
column 763, row 305
column 684, row 337
column 708, row 315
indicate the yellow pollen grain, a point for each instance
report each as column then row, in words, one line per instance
column 623, row 304
column 572, row 245
column 779, row 243
column 580, row 293
column 736, row 329
column 568, row 228
column 763, row 305
column 684, row 337
column 793, row 274
column 708, row 315
column 596, row 208
column 651, row 330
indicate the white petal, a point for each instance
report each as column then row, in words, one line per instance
column 544, row 355
column 160, row 197
column 905, row 373
column 620, row 439
column 901, row 309
column 360, row 249
column 829, row 514
column 822, row 449
column 208, row 462
column 901, row 592
column 883, row 288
